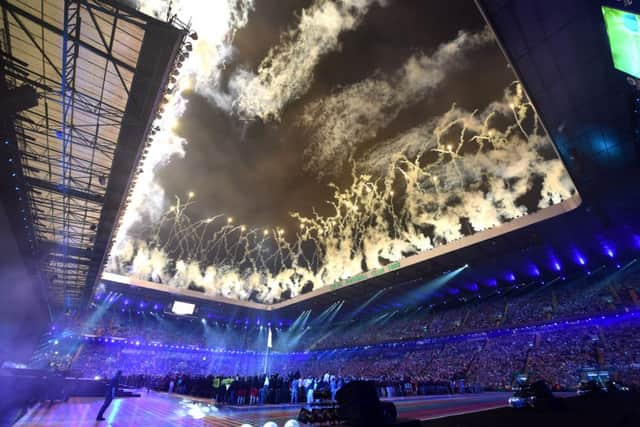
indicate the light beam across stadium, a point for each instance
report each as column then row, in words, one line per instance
column 326, row 313
column 354, row 314
column 427, row 289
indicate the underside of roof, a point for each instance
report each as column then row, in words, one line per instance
column 99, row 70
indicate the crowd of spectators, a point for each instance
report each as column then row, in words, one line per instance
column 558, row 353
column 479, row 345
column 522, row 305
column 525, row 305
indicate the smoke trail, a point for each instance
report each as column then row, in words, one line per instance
column 287, row 71
column 215, row 24
column 505, row 170
column 356, row 113
column 464, row 165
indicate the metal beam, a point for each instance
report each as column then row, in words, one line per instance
column 59, row 31
column 109, row 46
column 57, row 248
column 59, row 188
column 160, row 47
column 60, row 258
column 35, row 43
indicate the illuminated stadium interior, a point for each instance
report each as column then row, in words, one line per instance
column 266, row 213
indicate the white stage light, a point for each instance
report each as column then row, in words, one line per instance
column 292, row 423
column 270, row 424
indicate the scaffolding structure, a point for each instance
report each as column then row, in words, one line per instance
column 97, row 97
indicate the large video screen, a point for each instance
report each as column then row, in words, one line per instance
column 623, row 29
column 183, row 308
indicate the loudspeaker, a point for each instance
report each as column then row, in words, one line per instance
column 359, row 405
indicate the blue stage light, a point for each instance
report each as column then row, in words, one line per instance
column 608, row 250
column 534, row 270
column 511, row 277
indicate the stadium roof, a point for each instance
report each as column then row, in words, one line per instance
column 99, row 69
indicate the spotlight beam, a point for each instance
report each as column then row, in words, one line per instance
column 418, row 295
column 365, row 304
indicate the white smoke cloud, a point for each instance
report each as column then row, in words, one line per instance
column 507, row 168
column 287, row 71
column 481, row 164
column 442, row 177
column 356, row 113
column 215, row 24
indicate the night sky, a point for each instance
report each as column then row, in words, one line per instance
column 254, row 170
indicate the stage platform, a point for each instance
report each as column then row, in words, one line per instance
column 160, row 409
